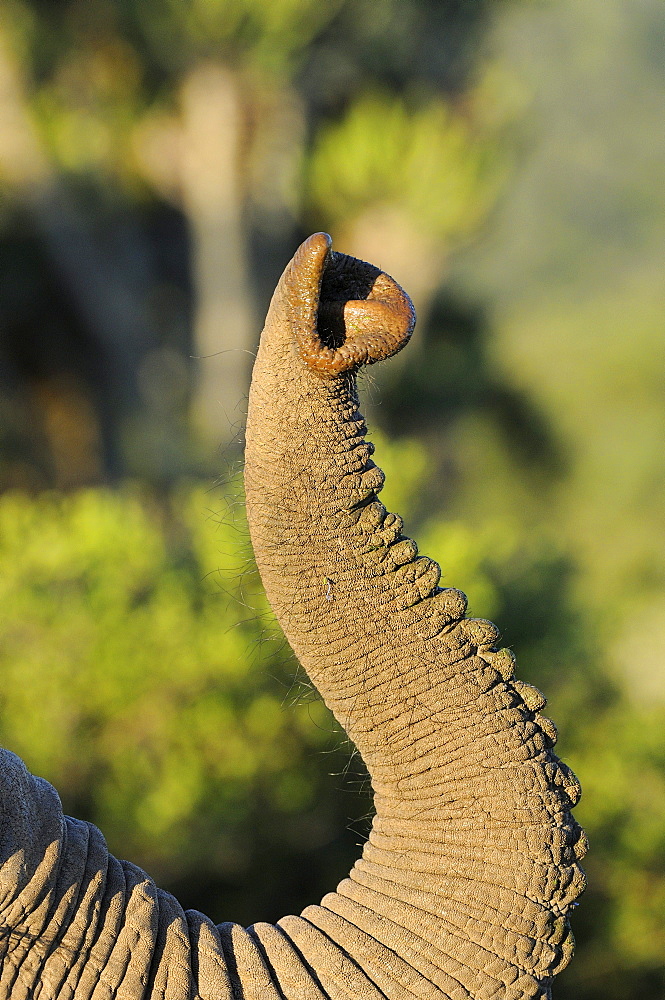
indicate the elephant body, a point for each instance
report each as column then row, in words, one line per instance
column 472, row 862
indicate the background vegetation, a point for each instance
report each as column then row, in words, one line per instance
column 159, row 162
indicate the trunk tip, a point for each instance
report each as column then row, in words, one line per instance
column 344, row 312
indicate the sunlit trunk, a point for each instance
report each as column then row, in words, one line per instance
column 472, row 861
column 463, row 889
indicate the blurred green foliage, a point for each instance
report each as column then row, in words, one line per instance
column 143, row 676
column 266, row 37
column 417, row 156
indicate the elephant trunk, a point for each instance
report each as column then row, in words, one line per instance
column 471, row 863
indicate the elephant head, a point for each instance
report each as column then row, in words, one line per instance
column 471, row 865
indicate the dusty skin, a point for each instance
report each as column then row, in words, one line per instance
column 472, row 863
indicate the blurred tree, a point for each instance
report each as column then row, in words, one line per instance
column 399, row 180
column 235, row 134
column 57, row 132
column 246, row 118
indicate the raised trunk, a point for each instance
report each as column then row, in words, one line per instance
column 471, row 863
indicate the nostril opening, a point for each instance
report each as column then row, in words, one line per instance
column 348, row 313
column 330, row 325
column 344, row 279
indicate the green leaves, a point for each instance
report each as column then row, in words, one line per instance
column 140, row 672
column 418, row 156
column 264, row 37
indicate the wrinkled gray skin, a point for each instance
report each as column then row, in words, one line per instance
column 471, row 865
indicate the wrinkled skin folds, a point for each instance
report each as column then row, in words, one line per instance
column 472, row 863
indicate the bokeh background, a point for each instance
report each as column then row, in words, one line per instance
column 160, row 160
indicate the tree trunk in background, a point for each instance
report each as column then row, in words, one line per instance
column 213, row 198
